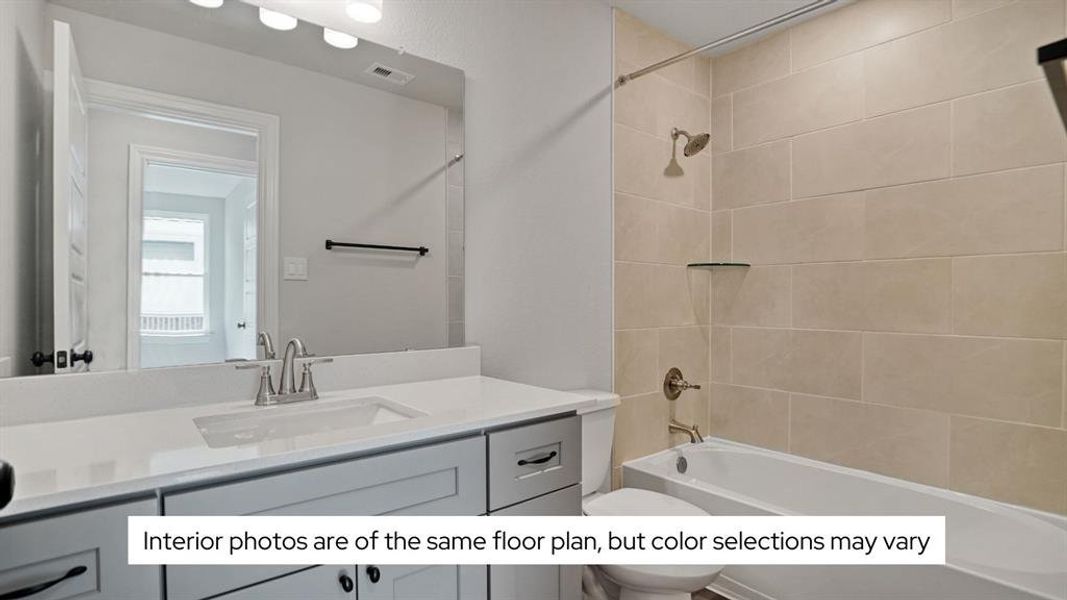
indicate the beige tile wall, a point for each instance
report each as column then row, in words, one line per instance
column 894, row 171
column 661, row 224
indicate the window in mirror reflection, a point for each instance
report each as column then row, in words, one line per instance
column 198, row 266
column 174, row 288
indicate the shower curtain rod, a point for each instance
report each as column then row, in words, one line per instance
column 624, row 79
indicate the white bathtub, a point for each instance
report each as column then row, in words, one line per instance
column 995, row 551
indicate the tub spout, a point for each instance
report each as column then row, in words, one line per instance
column 693, row 433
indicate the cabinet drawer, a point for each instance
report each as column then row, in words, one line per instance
column 441, row 479
column 83, row 555
column 525, row 462
column 320, row 583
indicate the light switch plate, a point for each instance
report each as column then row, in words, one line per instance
column 295, row 268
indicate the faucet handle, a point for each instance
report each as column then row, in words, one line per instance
column 674, row 384
column 307, row 382
column 311, row 359
column 266, row 384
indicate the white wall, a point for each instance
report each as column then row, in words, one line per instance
column 538, row 172
column 22, row 169
column 357, row 164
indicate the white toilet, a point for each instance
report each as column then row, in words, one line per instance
column 629, row 582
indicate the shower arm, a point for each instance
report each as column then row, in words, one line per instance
column 803, row 10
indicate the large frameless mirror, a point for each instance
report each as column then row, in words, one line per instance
column 184, row 178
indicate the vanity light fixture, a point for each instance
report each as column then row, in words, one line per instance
column 339, row 39
column 276, row 20
column 207, row 3
column 364, row 11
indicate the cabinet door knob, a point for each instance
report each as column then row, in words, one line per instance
column 374, row 574
column 346, row 582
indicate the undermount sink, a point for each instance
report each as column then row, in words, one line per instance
column 311, row 417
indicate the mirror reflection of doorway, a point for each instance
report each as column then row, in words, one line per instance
column 197, row 276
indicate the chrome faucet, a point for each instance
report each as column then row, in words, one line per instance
column 693, row 432
column 287, row 391
column 293, row 350
column 265, row 340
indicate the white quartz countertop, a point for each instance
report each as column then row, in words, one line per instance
column 61, row 463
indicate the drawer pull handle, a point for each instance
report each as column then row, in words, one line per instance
column 346, row 582
column 374, row 574
column 534, row 461
column 26, row 592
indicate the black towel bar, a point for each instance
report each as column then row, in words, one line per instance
column 422, row 250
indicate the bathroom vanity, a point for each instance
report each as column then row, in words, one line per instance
column 473, row 446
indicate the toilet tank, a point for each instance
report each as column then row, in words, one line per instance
column 598, row 432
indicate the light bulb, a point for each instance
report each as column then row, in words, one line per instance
column 365, row 11
column 339, row 39
column 276, row 20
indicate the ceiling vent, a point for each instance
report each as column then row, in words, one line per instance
column 390, row 74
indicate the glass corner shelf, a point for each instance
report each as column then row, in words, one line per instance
column 713, row 265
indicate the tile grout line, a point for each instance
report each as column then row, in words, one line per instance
column 664, row 203
column 863, row 367
column 951, row 140
column 952, row 296
column 869, row 117
column 893, row 186
column 897, row 333
column 1018, row 254
column 928, row 411
column 789, row 423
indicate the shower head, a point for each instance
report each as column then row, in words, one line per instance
column 694, row 143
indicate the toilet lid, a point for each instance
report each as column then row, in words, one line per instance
column 661, row 578
column 640, row 503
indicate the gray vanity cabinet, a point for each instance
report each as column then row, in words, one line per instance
column 439, row 479
column 540, row 582
column 78, row 555
column 316, row 583
column 526, row 470
column 422, row 582
column 535, row 470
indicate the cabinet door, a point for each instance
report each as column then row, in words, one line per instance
column 441, row 479
column 78, row 555
column 320, row 583
column 540, row 582
column 422, row 582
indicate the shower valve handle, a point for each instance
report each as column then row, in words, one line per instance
column 674, row 384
